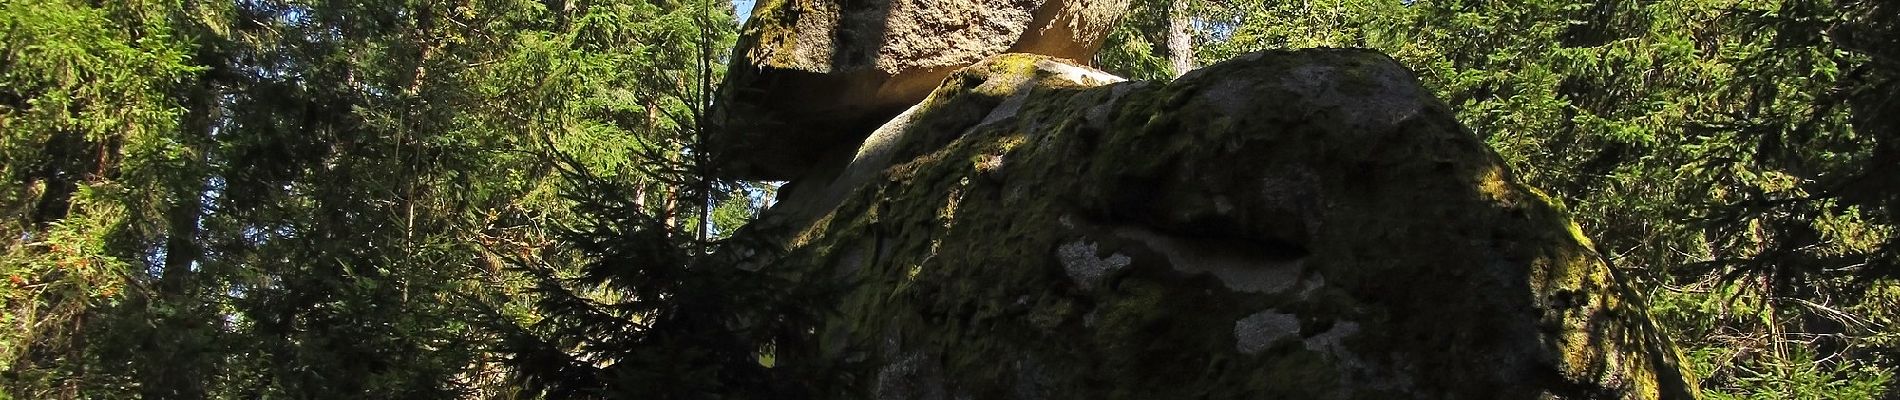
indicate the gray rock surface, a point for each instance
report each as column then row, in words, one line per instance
column 813, row 77
column 1297, row 225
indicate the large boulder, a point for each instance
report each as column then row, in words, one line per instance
column 812, row 77
column 1300, row 225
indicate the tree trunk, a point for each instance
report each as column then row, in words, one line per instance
column 172, row 364
column 1180, row 38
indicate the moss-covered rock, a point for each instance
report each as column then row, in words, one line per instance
column 812, row 77
column 1304, row 225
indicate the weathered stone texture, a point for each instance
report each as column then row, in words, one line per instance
column 1301, row 225
column 812, row 77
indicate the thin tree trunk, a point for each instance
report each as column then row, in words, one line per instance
column 703, row 99
column 1180, row 38
column 172, row 369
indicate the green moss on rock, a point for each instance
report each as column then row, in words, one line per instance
column 1307, row 224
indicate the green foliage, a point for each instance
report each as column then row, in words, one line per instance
column 648, row 315
column 288, row 198
column 1130, row 55
column 1800, row 377
column 1137, row 48
column 86, row 131
column 639, row 296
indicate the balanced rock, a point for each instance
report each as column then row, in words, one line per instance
column 812, row 77
column 1301, row 225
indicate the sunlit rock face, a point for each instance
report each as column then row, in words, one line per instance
column 810, row 78
column 1297, row 225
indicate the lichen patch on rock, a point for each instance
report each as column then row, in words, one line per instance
column 1080, row 261
column 1258, row 331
